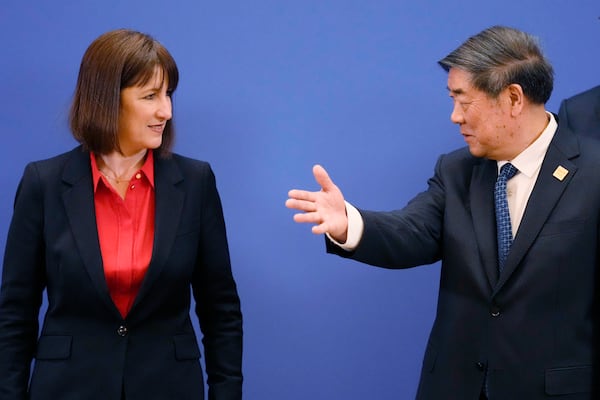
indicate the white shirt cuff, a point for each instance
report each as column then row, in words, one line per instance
column 356, row 227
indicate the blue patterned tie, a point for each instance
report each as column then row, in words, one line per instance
column 503, row 225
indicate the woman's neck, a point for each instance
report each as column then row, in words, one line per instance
column 120, row 167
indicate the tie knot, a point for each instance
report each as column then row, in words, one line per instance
column 508, row 171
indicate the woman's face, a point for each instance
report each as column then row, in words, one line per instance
column 143, row 115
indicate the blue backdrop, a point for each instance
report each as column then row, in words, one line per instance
column 267, row 89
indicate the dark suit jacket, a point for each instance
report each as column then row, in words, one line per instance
column 85, row 349
column 533, row 327
column 582, row 112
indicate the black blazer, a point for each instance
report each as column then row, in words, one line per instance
column 86, row 350
column 582, row 112
column 533, row 328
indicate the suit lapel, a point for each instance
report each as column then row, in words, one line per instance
column 484, row 220
column 78, row 199
column 169, row 206
column 546, row 193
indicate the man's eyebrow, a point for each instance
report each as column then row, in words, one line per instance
column 456, row 91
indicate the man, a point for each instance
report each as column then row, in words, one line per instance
column 515, row 326
column 582, row 112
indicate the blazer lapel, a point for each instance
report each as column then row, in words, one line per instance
column 546, row 193
column 78, row 199
column 169, row 205
column 484, row 220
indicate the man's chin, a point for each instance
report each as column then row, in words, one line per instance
column 476, row 152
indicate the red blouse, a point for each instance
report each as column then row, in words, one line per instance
column 125, row 231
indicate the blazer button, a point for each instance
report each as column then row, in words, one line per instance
column 122, row 331
column 495, row 310
column 480, row 366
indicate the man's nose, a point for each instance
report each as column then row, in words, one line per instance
column 456, row 116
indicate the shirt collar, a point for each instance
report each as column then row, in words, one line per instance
column 148, row 167
column 530, row 159
column 146, row 170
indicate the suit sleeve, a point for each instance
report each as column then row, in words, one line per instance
column 403, row 238
column 23, row 282
column 217, row 301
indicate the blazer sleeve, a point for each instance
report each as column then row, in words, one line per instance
column 217, row 301
column 23, row 282
column 407, row 237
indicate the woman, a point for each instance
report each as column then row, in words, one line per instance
column 117, row 231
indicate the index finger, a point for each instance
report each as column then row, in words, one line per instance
column 302, row 195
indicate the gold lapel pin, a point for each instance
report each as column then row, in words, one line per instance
column 560, row 172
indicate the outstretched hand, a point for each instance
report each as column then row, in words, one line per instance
column 325, row 208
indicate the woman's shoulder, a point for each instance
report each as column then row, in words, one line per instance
column 187, row 165
column 179, row 168
column 188, row 161
column 62, row 157
column 55, row 164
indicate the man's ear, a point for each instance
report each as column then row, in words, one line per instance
column 516, row 98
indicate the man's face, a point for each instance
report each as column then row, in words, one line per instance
column 484, row 122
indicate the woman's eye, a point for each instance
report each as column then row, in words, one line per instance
column 150, row 96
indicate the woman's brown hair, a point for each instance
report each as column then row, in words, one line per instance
column 114, row 61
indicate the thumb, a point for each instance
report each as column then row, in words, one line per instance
column 323, row 178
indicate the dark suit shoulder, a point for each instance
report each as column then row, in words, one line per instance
column 60, row 159
column 581, row 112
column 589, row 143
column 188, row 162
column 458, row 161
column 586, row 96
column 187, row 173
column 52, row 170
column 589, row 147
column 461, row 155
column 455, row 169
column 177, row 167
